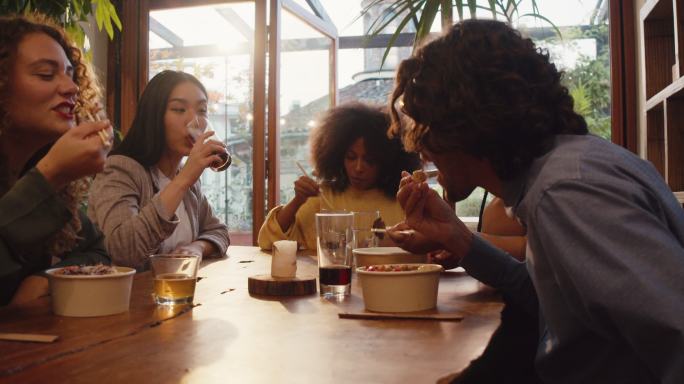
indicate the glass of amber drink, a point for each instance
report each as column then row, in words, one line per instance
column 175, row 277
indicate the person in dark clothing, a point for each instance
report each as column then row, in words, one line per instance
column 45, row 156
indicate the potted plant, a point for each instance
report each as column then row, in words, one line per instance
column 421, row 14
column 69, row 13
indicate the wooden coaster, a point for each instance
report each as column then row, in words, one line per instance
column 267, row 285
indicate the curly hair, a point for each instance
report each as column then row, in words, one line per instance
column 484, row 90
column 340, row 128
column 12, row 31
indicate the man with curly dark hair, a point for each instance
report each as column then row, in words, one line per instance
column 359, row 168
column 605, row 233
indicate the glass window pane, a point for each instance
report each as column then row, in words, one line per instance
column 214, row 43
column 304, row 95
column 583, row 54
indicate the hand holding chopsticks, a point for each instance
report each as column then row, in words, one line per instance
column 103, row 134
column 322, row 196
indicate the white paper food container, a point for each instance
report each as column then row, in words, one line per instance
column 91, row 295
column 386, row 255
column 405, row 291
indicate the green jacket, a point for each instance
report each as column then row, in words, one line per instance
column 30, row 213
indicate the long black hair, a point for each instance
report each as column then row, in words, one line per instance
column 146, row 138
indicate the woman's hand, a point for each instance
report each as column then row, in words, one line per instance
column 31, row 288
column 427, row 213
column 79, row 152
column 305, row 187
column 189, row 249
column 203, row 154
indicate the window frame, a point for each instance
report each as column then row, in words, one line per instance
column 128, row 72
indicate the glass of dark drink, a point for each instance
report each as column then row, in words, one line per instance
column 200, row 124
column 334, row 241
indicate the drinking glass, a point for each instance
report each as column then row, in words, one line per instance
column 363, row 223
column 200, row 124
column 175, row 277
column 333, row 239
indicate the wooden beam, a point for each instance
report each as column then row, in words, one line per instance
column 160, row 30
column 259, row 120
column 322, row 26
column 319, row 10
column 274, row 104
column 236, row 22
column 623, row 75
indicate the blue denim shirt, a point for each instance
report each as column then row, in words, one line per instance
column 606, row 257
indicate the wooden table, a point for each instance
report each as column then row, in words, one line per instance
column 232, row 336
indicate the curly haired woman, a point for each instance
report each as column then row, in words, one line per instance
column 359, row 168
column 45, row 156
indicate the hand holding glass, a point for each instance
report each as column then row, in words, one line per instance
column 199, row 125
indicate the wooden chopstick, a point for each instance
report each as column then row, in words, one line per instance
column 29, row 337
column 325, row 199
column 401, row 316
column 104, row 136
column 384, row 230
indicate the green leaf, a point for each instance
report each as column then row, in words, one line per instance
column 394, row 37
column 459, row 9
column 492, row 7
column 99, row 15
column 472, row 5
column 538, row 16
column 426, row 19
column 114, row 16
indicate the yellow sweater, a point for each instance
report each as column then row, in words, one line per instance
column 304, row 228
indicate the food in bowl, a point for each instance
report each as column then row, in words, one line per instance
column 98, row 269
column 393, row 268
column 399, row 287
column 86, row 292
column 386, row 255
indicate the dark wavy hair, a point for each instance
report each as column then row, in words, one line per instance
column 483, row 89
column 146, row 139
column 13, row 29
column 340, row 128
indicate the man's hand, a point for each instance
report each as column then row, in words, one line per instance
column 444, row 258
column 406, row 238
column 427, row 213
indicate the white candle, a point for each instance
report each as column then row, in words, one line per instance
column 284, row 260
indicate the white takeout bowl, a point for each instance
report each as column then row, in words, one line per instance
column 90, row 295
column 385, row 255
column 404, row 291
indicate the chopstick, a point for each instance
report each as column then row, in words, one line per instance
column 325, row 199
column 104, row 136
column 30, row 337
column 401, row 316
column 384, row 230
